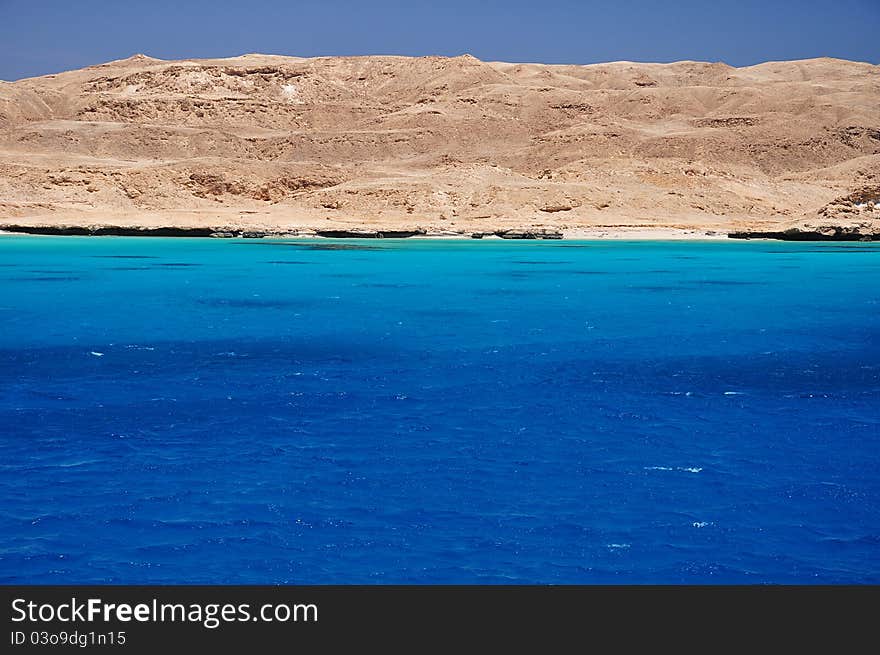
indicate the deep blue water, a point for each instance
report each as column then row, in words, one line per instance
column 384, row 411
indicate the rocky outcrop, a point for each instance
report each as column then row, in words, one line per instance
column 851, row 217
column 822, row 233
column 861, row 203
column 730, row 121
column 113, row 230
column 528, row 234
column 361, row 234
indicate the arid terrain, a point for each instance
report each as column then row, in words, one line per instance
column 444, row 146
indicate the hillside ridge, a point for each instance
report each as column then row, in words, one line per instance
column 444, row 145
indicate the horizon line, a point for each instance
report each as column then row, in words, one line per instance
column 142, row 55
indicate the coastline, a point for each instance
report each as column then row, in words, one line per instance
column 617, row 233
column 642, row 151
column 627, row 234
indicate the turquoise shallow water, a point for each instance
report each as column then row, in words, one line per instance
column 251, row 411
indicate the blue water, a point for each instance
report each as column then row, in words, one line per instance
column 213, row 411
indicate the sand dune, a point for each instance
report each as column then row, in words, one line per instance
column 444, row 145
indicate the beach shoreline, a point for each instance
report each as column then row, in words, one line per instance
column 634, row 234
column 507, row 234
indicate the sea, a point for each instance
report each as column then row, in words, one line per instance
column 314, row 411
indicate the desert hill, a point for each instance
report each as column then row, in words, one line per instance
column 443, row 145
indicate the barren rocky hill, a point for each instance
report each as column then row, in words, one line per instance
column 285, row 144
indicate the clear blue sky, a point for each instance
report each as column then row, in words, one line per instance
column 38, row 37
